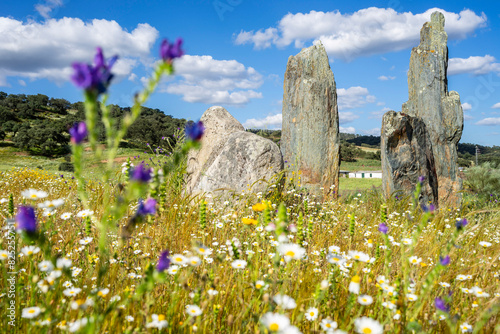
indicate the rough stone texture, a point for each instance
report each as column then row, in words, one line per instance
column 310, row 131
column 440, row 110
column 406, row 155
column 230, row 159
column 245, row 159
column 219, row 125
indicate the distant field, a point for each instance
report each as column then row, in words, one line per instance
column 361, row 164
column 353, row 184
column 11, row 157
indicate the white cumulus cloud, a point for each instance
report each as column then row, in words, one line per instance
column 385, row 78
column 353, row 97
column 496, row 106
column 347, row 117
column 207, row 80
column 349, row 129
column 466, row 106
column 489, row 121
column 47, row 7
column 269, row 122
column 365, row 32
column 46, row 50
column 476, row 65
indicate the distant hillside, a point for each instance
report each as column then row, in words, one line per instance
column 466, row 151
column 39, row 124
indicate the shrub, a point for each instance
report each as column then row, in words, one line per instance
column 66, row 167
column 483, row 180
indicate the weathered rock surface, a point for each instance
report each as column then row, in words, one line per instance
column 407, row 155
column 219, row 125
column 230, row 159
column 310, row 130
column 245, row 162
column 440, row 110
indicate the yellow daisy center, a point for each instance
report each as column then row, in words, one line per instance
column 367, row 330
column 258, row 286
column 290, row 253
column 161, row 317
column 31, row 311
column 311, row 314
column 328, row 325
column 274, row 327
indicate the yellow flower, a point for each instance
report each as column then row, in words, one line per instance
column 258, row 207
column 249, row 221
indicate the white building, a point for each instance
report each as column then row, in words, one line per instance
column 377, row 174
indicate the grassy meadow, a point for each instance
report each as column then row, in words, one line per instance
column 278, row 262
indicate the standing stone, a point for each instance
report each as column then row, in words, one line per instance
column 407, row 155
column 310, row 131
column 230, row 159
column 440, row 111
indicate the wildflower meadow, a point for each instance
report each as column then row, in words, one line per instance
column 127, row 251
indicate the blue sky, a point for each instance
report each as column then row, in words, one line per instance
column 237, row 50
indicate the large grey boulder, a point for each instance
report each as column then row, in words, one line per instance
column 219, row 125
column 246, row 162
column 230, row 159
column 407, row 155
column 440, row 110
column 310, row 130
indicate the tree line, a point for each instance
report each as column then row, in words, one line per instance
column 39, row 124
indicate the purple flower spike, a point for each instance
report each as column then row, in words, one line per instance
column 461, row 223
column 95, row 78
column 141, row 174
column 194, row 131
column 146, row 208
column 168, row 52
column 444, row 261
column 383, row 228
column 163, row 261
column 441, row 305
column 26, row 220
column 421, row 179
column 78, row 132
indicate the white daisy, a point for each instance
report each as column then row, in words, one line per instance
column 31, row 312
column 34, row 194
column 365, row 300
column 285, row 301
column 312, row 314
column 239, row 264
column 366, row 325
column 193, row 310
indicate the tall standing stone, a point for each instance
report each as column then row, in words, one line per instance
column 310, row 130
column 440, row 111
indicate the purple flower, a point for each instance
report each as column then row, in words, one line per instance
column 94, row 78
column 146, row 208
column 444, row 261
column 441, row 305
column 141, row 174
column 163, row 261
column 26, row 220
column 430, row 208
column 194, row 131
column 78, row 132
column 421, row 179
column 383, row 228
column 171, row 51
column 461, row 223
